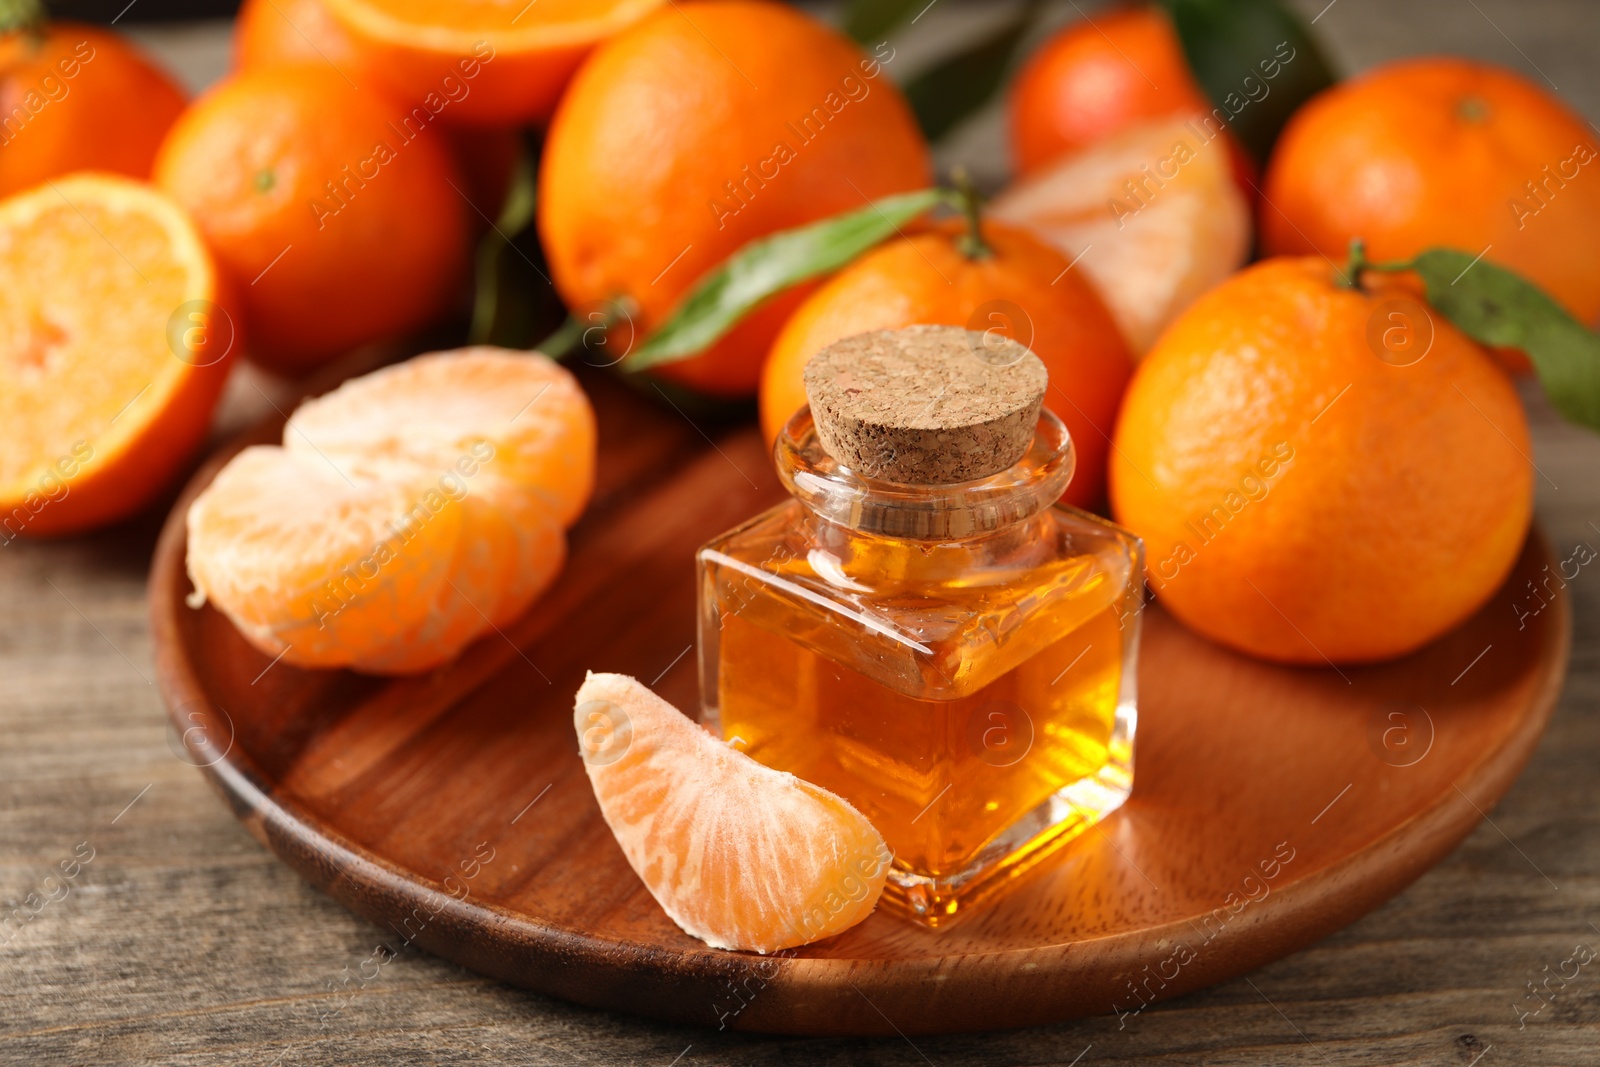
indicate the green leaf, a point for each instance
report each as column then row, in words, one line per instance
column 869, row 22
column 19, row 15
column 1498, row 307
column 1256, row 61
column 953, row 88
column 764, row 268
column 505, row 275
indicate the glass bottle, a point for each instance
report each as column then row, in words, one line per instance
column 956, row 660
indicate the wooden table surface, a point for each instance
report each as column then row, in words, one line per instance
column 181, row 940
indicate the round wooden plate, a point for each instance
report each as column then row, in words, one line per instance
column 1271, row 805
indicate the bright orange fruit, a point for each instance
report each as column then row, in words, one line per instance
column 1098, row 77
column 1308, row 492
column 701, row 129
column 495, row 63
column 737, row 854
column 114, row 346
column 1022, row 289
column 273, row 32
column 406, row 513
column 340, row 219
column 1443, row 151
column 74, row 97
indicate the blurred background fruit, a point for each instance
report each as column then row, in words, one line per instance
column 1153, row 212
column 1303, row 499
column 1020, row 287
column 75, row 97
column 699, row 130
column 1443, row 151
column 115, row 341
column 271, row 32
column 1097, row 77
column 499, row 64
column 335, row 215
column 268, row 32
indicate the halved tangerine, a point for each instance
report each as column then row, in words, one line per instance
column 484, row 62
column 115, row 342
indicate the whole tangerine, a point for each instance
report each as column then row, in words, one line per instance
column 1442, row 151
column 79, row 98
column 271, row 32
column 704, row 127
column 1309, row 492
column 1095, row 78
column 340, row 219
column 1020, row 287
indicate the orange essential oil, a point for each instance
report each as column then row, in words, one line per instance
column 923, row 629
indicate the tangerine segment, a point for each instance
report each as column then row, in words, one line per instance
column 503, row 561
column 506, row 63
column 1152, row 215
column 454, row 417
column 739, row 855
column 113, row 350
column 317, row 566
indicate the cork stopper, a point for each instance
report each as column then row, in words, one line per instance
column 925, row 405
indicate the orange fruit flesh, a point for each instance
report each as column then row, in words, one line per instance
column 544, row 20
column 406, row 513
column 98, row 404
column 430, row 411
column 499, row 63
column 739, row 855
column 1152, row 216
column 312, row 564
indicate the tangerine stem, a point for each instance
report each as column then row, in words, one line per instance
column 574, row 333
column 1355, row 264
column 971, row 243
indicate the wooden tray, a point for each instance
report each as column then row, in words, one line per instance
column 1271, row 805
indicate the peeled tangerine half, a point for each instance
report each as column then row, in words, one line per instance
column 406, row 512
column 737, row 854
column 1154, row 212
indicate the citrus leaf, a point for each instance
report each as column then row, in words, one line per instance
column 18, row 15
column 955, row 87
column 505, row 275
column 1256, row 61
column 1498, row 307
column 766, row 267
column 868, row 22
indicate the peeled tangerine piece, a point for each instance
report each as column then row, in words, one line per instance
column 522, row 417
column 737, row 854
column 1154, row 212
column 407, row 512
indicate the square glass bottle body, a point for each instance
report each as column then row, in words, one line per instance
column 957, row 662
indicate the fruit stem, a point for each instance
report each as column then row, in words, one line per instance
column 1355, row 264
column 971, row 243
column 17, row 16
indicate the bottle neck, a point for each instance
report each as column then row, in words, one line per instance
column 934, row 513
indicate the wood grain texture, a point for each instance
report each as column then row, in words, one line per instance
column 186, row 942
column 1271, row 805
